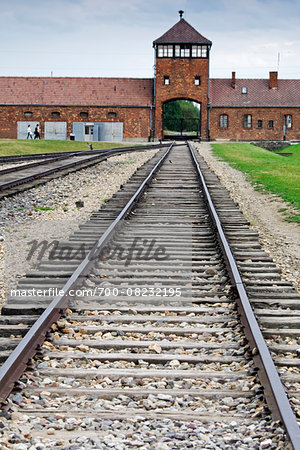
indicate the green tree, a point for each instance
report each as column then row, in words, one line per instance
column 181, row 115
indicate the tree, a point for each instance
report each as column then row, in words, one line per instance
column 181, row 115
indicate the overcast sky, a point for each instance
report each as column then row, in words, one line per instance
column 113, row 38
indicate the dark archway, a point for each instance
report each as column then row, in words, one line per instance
column 181, row 119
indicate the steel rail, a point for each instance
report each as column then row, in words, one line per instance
column 274, row 391
column 35, row 164
column 16, row 363
column 91, row 158
column 15, row 158
column 36, row 176
column 99, row 156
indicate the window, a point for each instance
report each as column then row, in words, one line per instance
column 271, row 124
column 244, row 90
column 185, row 51
column 111, row 115
column 259, row 124
column 199, row 51
column 247, row 121
column 182, row 51
column 84, row 115
column 164, row 51
column 28, row 114
column 288, row 120
column 55, row 114
column 197, row 81
column 223, row 121
column 170, row 51
column 89, row 130
column 166, row 81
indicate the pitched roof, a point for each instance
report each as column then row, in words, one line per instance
column 76, row 91
column 182, row 32
column 258, row 93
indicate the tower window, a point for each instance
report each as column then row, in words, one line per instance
column 166, row 81
column 182, row 51
column 197, row 81
column 271, row 124
column 247, row 121
column 165, row 51
column 223, row 121
column 259, row 124
column 199, row 51
column 185, row 51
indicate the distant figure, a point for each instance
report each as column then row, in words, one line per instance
column 91, row 147
column 37, row 132
column 29, row 132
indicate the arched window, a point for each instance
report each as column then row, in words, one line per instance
column 55, row 114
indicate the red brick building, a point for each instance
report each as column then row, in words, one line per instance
column 255, row 109
column 114, row 109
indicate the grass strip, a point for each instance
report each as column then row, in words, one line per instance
column 267, row 171
column 12, row 147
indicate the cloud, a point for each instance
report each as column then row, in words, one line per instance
column 114, row 38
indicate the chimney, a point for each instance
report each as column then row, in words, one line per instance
column 233, row 80
column 273, row 80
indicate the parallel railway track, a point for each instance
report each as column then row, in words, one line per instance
column 52, row 165
column 154, row 332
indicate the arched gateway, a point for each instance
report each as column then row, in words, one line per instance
column 97, row 108
column 181, row 72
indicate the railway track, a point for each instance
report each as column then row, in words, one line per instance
column 146, row 347
column 51, row 165
column 41, row 156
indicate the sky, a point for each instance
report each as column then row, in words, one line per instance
column 113, row 38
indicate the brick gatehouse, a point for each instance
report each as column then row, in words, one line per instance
column 114, row 109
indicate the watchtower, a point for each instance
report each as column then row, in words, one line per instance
column 181, row 71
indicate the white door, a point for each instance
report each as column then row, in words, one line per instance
column 88, row 131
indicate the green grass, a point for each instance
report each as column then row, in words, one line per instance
column 267, row 171
column 44, row 208
column 10, row 147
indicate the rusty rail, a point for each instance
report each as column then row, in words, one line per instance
column 16, row 363
column 20, row 158
column 93, row 157
column 274, row 391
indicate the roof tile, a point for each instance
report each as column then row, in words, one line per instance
column 182, row 32
column 258, row 93
column 76, row 91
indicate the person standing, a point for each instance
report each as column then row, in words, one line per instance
column 37, row 132
column 29, row 132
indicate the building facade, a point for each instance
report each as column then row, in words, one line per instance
column 114, row 109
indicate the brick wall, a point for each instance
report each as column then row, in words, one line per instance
column 181, row 73
column 236, row 130
column 136, row 120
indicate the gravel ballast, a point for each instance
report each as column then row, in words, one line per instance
column 53, row 210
